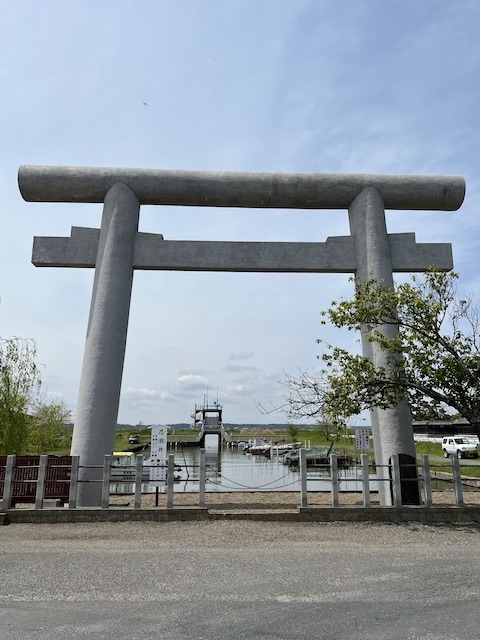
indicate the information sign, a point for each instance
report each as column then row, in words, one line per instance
column 362, row 438
column 158, row 453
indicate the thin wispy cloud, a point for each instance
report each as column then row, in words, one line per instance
column 244, row 355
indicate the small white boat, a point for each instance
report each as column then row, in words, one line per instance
column 282, row 449
column 268, row 450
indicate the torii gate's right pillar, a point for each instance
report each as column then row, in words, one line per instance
column 392, row 428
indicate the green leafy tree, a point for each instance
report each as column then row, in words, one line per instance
column 433, row 360
column 293, row 432
column 47, row 427
column 19, row 385
column 428, row 411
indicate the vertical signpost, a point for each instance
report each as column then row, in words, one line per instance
column 158, row 454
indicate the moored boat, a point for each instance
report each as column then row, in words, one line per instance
column 260, row 450
column 314, row 457
column 267, row 449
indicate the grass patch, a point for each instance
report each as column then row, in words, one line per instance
column 121, row 438
column 429, row 448
column 471, row 472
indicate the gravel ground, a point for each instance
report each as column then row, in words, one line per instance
column 284, row 500
column 265, row 501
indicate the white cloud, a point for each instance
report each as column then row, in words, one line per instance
column 141, row 393
column 235, row 368
column 191, row 382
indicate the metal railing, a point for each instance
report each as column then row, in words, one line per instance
column 394, row 479
column 36, row 477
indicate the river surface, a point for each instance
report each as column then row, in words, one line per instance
column 231, row 470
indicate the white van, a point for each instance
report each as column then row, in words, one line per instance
column 459, row 446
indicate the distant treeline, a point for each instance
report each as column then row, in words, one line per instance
column 227, row 425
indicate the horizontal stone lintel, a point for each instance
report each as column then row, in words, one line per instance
column 240, row 189
column 152, row 252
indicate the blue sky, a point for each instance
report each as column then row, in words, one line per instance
column 377, row 86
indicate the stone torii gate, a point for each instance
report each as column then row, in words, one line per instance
column 117, row 249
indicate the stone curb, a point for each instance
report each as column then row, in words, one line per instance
column 431, row 515
column 434, row 515
column 56, row 516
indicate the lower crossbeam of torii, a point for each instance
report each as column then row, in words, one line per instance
column 117, row 249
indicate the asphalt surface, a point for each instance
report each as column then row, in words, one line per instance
column 464, row 462
column 239, row 580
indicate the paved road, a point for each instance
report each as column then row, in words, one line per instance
column 467, row 462
column 239, row 580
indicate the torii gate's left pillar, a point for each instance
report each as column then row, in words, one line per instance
column 101, row 379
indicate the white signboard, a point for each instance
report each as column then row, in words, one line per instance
column 158, row 453
column 362, row 438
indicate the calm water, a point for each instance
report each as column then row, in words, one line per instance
column 232, row 470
